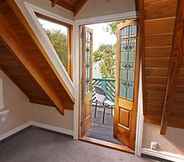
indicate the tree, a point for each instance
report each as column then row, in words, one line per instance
column 112, row 27
column 59, row 42
column 105, row 54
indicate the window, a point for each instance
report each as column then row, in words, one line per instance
column 59, row 34
column 128, row 53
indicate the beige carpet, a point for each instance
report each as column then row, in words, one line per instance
column 37, row 145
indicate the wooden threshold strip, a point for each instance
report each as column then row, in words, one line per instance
column 107, row 144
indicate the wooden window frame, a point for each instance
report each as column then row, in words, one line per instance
column 69, row 38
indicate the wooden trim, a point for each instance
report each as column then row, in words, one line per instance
column 129, row 105
column 176, row 60
column 26, row 13
column 69, row 38
column 10, row 38
column 48, row 18
column 107, row 144
column 64, row 4
column 78, row 5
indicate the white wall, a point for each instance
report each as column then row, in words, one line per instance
column 16, row 102
column 46, row 4
column 21, row 110
column 94, row 8
column 50, row 115
column 172, row 142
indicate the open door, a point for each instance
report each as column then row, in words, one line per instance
column 87, row 49
column 125, row 108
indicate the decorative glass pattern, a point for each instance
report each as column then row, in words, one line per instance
column 127, row 65
column 88, row 59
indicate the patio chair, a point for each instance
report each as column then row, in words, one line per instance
column 101, row 100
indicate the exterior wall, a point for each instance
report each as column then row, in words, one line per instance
column 171, row 142
column 17, row 104
column 94, row 8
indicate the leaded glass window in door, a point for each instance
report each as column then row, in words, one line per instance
column 88, row 56
column 127, row 65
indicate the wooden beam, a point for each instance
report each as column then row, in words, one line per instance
column 78, row 5
column 174, row 65
column 141, row 42
column 66, row 4
column 22, row 19
column 14, row 43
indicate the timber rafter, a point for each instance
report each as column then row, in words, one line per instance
column 73, row 6
column 176, row 60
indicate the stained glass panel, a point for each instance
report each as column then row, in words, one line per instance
column 128, row 51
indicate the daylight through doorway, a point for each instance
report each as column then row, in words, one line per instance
column 99, row 42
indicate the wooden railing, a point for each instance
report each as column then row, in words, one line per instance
column 108, row 85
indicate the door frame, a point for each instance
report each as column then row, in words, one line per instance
column 78, row 74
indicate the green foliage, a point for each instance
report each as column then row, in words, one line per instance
column 59, row 42
column 106, row 55
column 112, row 27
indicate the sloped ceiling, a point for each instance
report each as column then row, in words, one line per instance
column 72, row 5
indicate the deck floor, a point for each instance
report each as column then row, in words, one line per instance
column 102, row 131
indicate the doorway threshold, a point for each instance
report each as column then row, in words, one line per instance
column 107, row 144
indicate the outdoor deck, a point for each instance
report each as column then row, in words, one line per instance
column 102, row 131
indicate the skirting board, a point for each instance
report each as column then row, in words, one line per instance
column 15, row 130
column 36, row 124
column 163, row 155
column 52, row 128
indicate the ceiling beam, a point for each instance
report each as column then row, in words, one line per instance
column 72, row 6
column 65, row 4
column 78, row 5
column 176, row 58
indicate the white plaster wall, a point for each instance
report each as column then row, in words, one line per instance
column 50, row 115
column 45, row 4
column 94, row 8
column 172, row 142
column 16, row 102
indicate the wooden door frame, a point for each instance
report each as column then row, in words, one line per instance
column 78, row 71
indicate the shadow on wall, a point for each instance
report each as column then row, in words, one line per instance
column 171, row 142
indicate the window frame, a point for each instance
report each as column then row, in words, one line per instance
column 69, row 38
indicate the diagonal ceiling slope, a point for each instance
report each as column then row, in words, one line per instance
column 72, row 5
column 26, row 60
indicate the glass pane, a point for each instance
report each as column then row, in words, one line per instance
column 128, row 51
column 123, row 89
column 123, row 74
column 124, row 58
column 130, row 75
column 130, row 91
column 58, row 35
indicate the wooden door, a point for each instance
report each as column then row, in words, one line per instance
column 87, row 47
column 125, row 109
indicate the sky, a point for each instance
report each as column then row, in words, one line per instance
column 53, row 26
column 101, row 36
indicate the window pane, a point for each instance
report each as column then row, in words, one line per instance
column 58, row 36
column 123, row 89
column 130, row 91
column 128, row 51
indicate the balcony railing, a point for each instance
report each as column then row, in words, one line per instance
column 108, row 85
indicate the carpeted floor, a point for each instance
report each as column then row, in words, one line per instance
column 38, row 145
